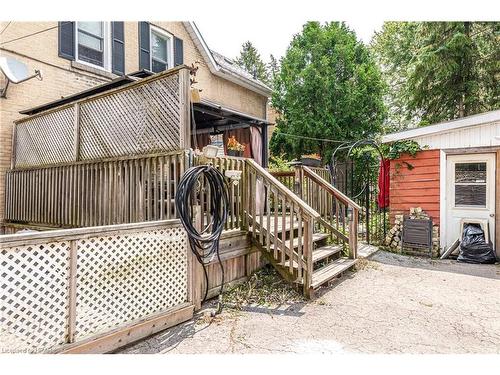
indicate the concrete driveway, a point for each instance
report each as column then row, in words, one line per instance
column 392, row 304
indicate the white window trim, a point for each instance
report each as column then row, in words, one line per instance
column 486, row 184
column 167, row 35
column 106, row 51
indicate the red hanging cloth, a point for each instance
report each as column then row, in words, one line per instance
column 383, row 183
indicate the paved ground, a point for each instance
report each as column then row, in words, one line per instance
column 392, row 304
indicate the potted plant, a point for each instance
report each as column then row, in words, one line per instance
column 311, row 160
column 234, row 148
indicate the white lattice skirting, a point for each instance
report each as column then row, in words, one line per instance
column 120, row 277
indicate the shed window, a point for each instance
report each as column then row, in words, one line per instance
column 161, row 50
column 92, row 39
column 470, row 184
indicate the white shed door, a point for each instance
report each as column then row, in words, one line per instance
column 470, row 193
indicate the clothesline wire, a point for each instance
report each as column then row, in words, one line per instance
column 32, row 34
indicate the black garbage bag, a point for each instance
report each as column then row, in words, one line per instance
column 474, row 248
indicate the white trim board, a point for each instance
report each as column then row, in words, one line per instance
column 443, row 127
column 442, row 201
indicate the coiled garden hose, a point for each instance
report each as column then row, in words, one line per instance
column 204, row 244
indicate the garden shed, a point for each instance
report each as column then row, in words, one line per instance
column 455, row 178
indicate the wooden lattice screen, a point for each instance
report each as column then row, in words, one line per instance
column 144, row 117
column 70, row 285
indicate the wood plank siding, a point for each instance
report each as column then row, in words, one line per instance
column 415, row 183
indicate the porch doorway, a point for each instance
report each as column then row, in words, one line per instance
column 470, row 194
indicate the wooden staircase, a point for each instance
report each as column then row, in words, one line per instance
column 309, row 235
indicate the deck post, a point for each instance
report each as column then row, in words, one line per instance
column 72, row 291
column 76, row 128
column 14, row 147
column 198, row 274
column 353, row 233
column 185, row 109
column 298, row 180
column 307, row 251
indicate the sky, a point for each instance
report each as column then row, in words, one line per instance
column 228, row 36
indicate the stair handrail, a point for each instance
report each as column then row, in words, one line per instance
column 265, row 174
column 330, row 188
column 355, row 208
column 309, row 216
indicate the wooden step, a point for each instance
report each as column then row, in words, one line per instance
column 320, row 254
column 325, row 251
column 288, row 223
column 315, row 238
column 331, row 270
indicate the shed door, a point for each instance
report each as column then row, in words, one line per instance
column 470, row 193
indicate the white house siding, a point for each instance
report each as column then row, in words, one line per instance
column 474, row 136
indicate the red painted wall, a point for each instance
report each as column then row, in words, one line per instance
column 416, row 187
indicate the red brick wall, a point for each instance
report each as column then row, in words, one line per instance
column 416, row 187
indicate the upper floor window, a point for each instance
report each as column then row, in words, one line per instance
column 93, row 44
column 162, row 51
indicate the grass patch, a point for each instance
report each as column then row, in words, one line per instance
column 363, row 263
column 265, row 287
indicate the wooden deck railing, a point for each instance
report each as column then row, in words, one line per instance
column 82, row 194
column 278, row 218
column 287, row 178
column 339, row 214
column 235, row 191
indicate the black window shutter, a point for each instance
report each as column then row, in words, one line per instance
column 144, row 46
column 66, row 31
column 118, row 48
column 178, row 52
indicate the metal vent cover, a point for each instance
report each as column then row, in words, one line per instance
column 417, row 233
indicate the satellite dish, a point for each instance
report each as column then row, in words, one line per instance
column 15, row 72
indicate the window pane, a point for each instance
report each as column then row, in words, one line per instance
column 470, row 172
column 90, row 55
column 159, row 47
column 158, row 66
column 470, row 195
column 94, row 28
column 90, row 41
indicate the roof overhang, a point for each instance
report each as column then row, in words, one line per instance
column 443, row 127
column 219, row 71
column 210, row 117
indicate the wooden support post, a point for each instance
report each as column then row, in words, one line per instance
column 353, row 231
column 298, row 180
column 198, row 274
column 76, row 128
column 185, row 106
column 244, row 201
column 14, row 147
column 307, row 251
column 72, row 291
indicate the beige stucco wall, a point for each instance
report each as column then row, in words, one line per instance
column 62, row 77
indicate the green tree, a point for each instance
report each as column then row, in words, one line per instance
column 438, row 71
column 251, row 61
column 273, row 69
column 393, row 48
column 328, row 86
